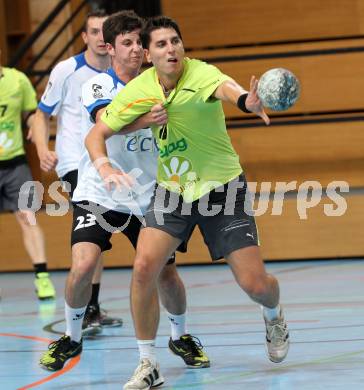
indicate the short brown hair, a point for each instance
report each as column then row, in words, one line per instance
column 100, row 13
column 157, row 23
column 120, row 23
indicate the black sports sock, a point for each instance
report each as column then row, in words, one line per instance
column 95, row 294
column 40, row 267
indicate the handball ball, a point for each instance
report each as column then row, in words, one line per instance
column 278, row 89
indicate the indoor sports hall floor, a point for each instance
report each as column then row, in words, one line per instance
column 324, row 306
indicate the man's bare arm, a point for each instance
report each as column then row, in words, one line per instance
column 40, row 136
column 95, row 143
column 230, row 91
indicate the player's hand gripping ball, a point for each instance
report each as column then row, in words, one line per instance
column 278, row 89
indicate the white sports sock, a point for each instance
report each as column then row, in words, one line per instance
column 178, row 325
column 74, row 318
column 147, row 350
column 271, row 314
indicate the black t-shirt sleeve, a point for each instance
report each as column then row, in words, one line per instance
column 95, row 111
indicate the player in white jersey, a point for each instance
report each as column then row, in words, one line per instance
column 127, row 152
column 62, row 98
column 98, row 212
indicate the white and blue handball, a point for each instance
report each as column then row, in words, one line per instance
column 278, row 89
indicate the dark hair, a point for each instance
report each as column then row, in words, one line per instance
column 120, row 23
column 100, row 13
column 157, row 23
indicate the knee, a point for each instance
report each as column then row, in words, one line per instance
column 254, row 285
column 144, row 269
column 26, row 219
column 81, row 273
column 82, row 269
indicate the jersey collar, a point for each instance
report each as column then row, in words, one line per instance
column 115, row 77
column 81, row 61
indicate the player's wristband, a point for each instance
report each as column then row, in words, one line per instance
column 241, row 103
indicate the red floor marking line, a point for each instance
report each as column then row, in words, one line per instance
column 69, row 366
column 19, row 336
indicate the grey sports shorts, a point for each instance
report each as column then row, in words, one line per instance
column 224, row 217
column 11, row 181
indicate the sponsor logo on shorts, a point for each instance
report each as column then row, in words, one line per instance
column 235, row 225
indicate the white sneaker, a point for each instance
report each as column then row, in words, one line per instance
column 145, row 377
column 277, row 339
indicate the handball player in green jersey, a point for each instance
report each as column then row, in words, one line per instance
column 17, row 103
column 199, row 182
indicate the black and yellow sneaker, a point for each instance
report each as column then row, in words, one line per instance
column 59, row 352
column 189, row 348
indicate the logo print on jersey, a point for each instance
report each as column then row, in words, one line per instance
column 5, row 143
column 175, row 168
column 97, row 91
column 166, row 150
column 140, row 143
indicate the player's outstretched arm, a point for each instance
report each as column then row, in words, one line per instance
column 40, row 136
column 248, row 101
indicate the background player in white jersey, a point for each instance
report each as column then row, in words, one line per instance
column 62, row 98
column 98, row 211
